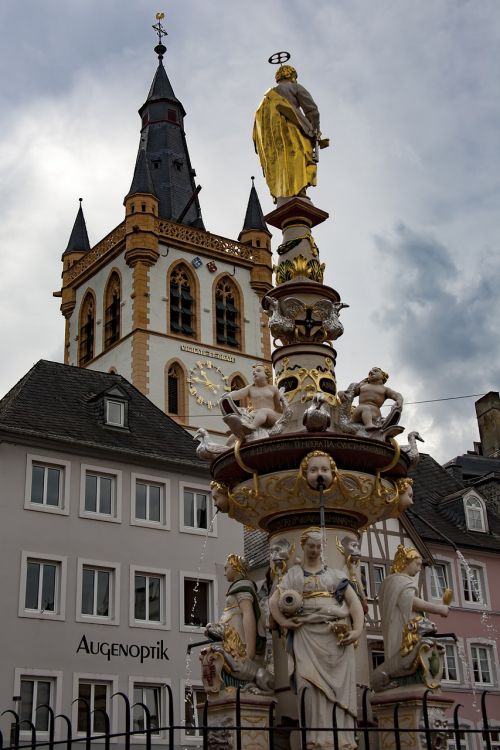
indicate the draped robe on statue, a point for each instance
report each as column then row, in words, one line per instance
column 395, row 601
column 325, row 669
column 284, row 138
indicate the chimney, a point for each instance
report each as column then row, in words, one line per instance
column 488, row 420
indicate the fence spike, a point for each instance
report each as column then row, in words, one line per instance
column 397, row 735
column 171, row 722
column 486, row 727
column 69, row 730
column 428, row 736
column 303, row 718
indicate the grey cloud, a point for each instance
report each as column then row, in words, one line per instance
column 445, row 324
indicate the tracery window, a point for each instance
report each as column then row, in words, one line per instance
column 236, row 384
column 227, row 306
column 112, row 311
column 182, row 302
column 86, row 330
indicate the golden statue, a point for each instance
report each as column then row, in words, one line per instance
column 286, row 136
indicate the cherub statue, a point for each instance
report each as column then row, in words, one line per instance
column 409, row 648
column 236, row 657
column 268, row 406
column 367, row 417
column 286, row 136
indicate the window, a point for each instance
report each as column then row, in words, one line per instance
column 97, row 592
column 112, row 306
column 149, row 598
column 439, row 579
column 94, row 697
column 150, row 696
column 475, row 514
column 47, row 484
column 378, row 576
column 173, row 388
column 182, row 302
column 364, row 575
column 197, row 600
column 227, row 304
column 194, row 700
column 100, row 493
column 450, row 662
column 377, row 658
column 473, row 583
column 86, row 330
column 196, row 510
column 36, row 689
column 464, row 739
column 150, row 505
column 36, row 695
column 482, row 664
column 494, row 739
column 115, row 413
column 42, row 589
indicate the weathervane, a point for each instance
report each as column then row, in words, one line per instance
column 160, row 48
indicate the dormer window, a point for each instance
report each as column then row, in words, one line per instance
column 115, row 412
column 475, row 513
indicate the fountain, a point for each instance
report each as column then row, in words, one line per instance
column 312, row 471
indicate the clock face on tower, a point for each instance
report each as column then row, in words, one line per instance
column 207, row 383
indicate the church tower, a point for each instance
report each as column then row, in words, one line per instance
column 171, row 307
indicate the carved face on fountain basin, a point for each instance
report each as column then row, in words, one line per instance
column 319, row 466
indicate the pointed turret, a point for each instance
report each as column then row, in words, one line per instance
column 163, row 142
column 256, row 234
column 254, row 218
column 141, row 181
column 78, row 239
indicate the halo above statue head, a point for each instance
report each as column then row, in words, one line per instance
column 238, row 563
column 403, row 556
column 284, row 71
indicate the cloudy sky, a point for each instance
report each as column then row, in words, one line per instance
column 408, row 94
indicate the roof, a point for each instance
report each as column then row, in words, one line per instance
column 141, row 181
column 438, row 512
column 164, row 144
column 254, row 218
column 78, row 239
column 64, row 404
column 474, row 465
column 256, row 548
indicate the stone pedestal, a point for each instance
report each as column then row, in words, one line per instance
column 253, row 718
column 410, row 716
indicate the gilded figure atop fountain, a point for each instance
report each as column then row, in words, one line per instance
column 286, row 136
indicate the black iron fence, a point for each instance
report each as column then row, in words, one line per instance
column 455, row 734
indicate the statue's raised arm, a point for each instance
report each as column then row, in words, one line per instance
column 286, row 136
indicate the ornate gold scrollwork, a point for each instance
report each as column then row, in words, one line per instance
column 318, row 379
column 299, row 266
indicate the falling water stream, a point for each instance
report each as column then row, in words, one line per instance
column 485, row 620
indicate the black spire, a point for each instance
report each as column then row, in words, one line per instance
column 254, row 218
column 79, row 239
column 163, row 141
column 141, row 181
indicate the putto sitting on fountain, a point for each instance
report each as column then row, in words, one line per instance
column 327, row 622
column 412, row 655
column 236, row 658
column 367, row 417
column 268, row 409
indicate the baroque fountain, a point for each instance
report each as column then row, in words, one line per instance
column 313, row 469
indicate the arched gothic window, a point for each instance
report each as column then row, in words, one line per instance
column 112, row 311
column 182, row 303
column 175, row 392
column 475, row 514
column 86, row 332
column 227, row 313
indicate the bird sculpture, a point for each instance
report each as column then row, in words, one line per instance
column 317, row 416
column 411, row 449
column 328, row 313
column 206, row 449
column 282, row 317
